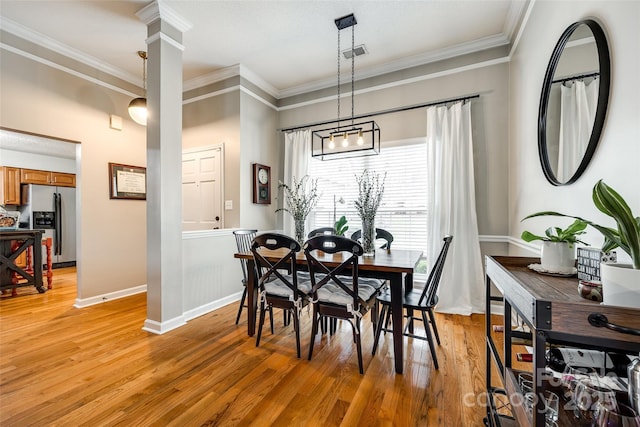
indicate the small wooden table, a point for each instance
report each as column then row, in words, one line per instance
column 397, row 266
column 9, row 254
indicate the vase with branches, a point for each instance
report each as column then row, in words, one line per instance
column 301, row 197
column 370, row 191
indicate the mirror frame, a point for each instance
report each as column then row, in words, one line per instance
column 603, row 99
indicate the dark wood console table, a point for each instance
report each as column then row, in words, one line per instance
column 13, row 276
column 554, row 313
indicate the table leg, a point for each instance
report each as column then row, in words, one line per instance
column 47, row 243
column 252, row 298
column 396, row 309
column 408, row 286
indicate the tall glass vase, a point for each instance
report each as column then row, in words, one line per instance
column 300, row 235
column 368, row 236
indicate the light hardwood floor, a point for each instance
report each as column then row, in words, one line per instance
column 95, row 366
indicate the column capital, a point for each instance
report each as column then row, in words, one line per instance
column 157, row 9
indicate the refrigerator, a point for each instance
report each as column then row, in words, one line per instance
column 52, row 209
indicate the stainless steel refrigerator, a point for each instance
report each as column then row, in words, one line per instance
column 52, row 209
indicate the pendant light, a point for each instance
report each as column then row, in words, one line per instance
column 347, row 139
column 138, row 106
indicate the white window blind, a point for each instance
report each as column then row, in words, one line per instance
column 403, row 208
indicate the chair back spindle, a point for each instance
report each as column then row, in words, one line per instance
column 429, row 293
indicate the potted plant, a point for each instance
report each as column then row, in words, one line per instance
column 557, row 253
column 370, row 191
column 300, row 201
column 620, row 282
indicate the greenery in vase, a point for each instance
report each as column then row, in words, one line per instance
column 341, row 227
column 370, row 191
column 556, row 234
column 627, row 234
column 300, row 200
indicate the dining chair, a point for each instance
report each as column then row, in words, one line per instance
column 321, row 230
column 381, row 234
column 336, row 291
column 423, row 301
column 278, row 284
column 244, row 238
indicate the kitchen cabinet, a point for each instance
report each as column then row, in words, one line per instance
column 33, row 176
column 63, row 179
column 553, row 313
column 10, row 186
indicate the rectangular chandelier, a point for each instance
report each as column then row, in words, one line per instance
column 344, row 141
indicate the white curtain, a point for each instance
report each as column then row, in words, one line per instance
column 451, row 209
column 577, row 113
column 297, row 152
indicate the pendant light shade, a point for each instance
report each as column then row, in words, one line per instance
column 346, row 138
column 138, row 110
column 138, row 106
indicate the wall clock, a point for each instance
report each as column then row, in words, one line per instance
column 261, row 184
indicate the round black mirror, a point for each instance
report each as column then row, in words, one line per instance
column 573, row 103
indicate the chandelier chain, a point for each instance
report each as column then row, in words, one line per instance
column 338, row 79
column 353, row 62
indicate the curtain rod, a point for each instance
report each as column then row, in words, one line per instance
column 380, row 113
column 577, row 77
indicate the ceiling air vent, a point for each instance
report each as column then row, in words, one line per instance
column 357, row 51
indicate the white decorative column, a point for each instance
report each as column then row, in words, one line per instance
column 164, row 167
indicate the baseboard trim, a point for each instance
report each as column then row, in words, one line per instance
column 160, row 328
column 211, row 306
column 86, row 302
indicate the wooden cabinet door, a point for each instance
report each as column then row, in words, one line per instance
column 10, row 186
column 32, row 176
column 63, row 179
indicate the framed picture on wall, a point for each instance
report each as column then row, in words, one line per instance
column 261, row 184
column 127, row 182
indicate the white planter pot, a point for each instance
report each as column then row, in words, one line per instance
column 557, row 257
column 620, row 285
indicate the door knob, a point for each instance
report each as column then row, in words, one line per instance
column 217, row 218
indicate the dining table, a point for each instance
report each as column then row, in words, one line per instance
column 396, row 265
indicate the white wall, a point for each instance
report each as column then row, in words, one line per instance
column 617, row 158
column 216, row 120
column 260, row 143
column 111, row 239
column 489, row 121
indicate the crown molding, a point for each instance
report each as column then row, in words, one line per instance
column 64, row 50
column 228, row 72
column 404, row 63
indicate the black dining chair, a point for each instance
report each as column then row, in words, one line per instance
column 336, row 291
column 244, row 238
column 381, row 234
column 278, row 284
column 423, row 301
column 321, row 230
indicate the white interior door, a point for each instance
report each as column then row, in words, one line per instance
column 202, row 189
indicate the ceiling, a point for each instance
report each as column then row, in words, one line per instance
column 290, row 46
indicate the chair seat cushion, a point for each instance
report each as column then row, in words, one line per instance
column 278, row 288
column 334, row 294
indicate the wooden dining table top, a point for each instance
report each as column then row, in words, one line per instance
column 395, row 260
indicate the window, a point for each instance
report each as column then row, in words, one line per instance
column 403, row 208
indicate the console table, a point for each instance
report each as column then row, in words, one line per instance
column 554, row 313
column 9, row 253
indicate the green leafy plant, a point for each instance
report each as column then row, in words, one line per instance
column 627, row 234
column 341, row 227
column 557, row 234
